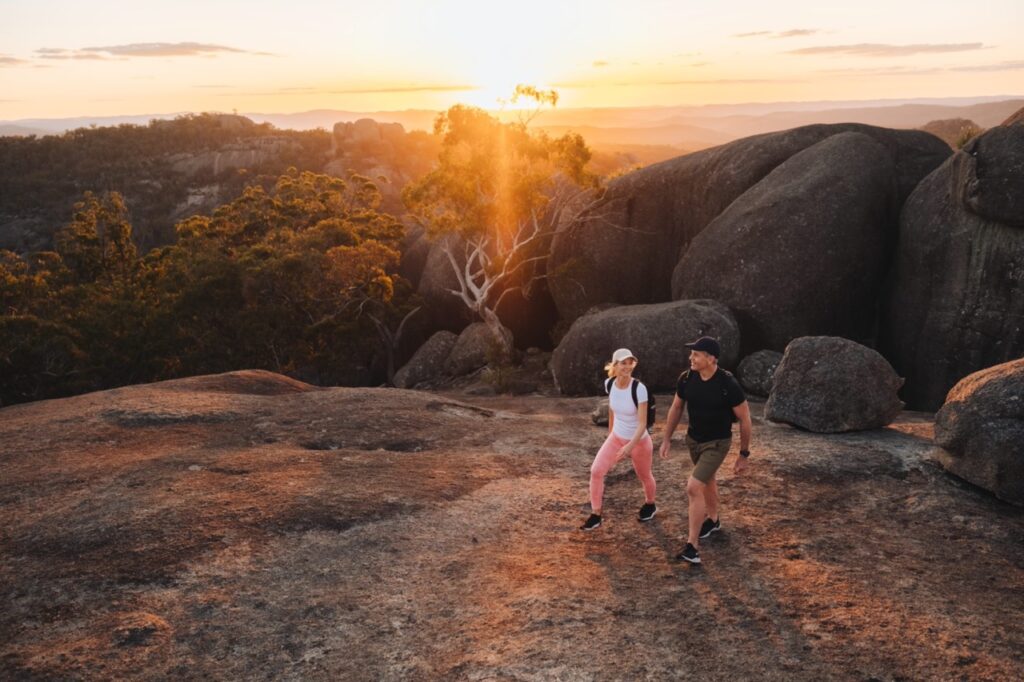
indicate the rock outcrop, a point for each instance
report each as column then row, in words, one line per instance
column 626, row 252
column 444, row 309
column 250, row 153
column 473, row 349
column 827, row 384
column 428, row 362
column 981, row 428
column 804, row 251
column 656, row 333
column 956, row 305
column 194, row 530
column 756, row 372
column 366, row 135
column 527, row 310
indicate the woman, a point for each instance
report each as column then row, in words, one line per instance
column 627, row 437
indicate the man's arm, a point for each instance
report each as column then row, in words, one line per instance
column 671, row 422
column 742, row 412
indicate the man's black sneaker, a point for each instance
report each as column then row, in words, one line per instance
column 647, row 512
column 592, row 522
column 690, row 554
column 709, row 527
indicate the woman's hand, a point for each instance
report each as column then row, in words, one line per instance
column 624, row 452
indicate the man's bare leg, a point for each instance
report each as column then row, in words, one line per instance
column 711, row 500
column 695, row 491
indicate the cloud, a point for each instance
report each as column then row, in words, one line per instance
column 1002, row 66
column 796, row 32
column 633, row 84
column 884, row 50
column 291, row 91
column 411, row 88
column 166, row 50
column 6, row 60
column 791, row 33
column 599, row 63
column 142, row 50
column 57, row 53
column 927, row 71
column 713, row 81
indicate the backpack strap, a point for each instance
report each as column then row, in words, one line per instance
column 726, row 374
column 608, row 384
column 633, row 390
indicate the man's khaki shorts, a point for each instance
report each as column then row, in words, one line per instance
column 707, row 457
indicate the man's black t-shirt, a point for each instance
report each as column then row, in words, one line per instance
column 709, row 404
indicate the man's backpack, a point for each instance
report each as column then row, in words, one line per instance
column 652, row 407
column 685, row 376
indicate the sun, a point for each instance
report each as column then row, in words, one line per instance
column 496, row 79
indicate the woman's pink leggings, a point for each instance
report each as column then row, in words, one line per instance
column 642, row 455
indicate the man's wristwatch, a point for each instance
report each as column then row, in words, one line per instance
column 744, row 453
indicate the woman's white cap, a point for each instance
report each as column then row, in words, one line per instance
column 621, row 354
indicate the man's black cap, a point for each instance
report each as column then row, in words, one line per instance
column 706, row 344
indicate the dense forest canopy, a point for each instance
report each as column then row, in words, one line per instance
column 301, row 278
column 291, row 264
column 42, row 177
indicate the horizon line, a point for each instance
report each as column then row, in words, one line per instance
column 899, row 101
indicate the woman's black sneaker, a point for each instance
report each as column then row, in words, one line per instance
column 690, row 554
column 709, row 527
column 592, row 522
column 647, row 512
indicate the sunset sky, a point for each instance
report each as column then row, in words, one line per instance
column 71, row 58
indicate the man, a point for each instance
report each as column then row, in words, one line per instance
column 712, row 397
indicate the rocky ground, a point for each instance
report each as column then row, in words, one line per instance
column 246, row 526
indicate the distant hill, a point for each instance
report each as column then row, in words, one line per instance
column 21, row 131
column 683, row 136
column 688, row 128
column 904, row 116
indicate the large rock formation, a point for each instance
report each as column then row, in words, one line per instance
column 827, row 384
column 756, row 372
column 956, row 304
column 248, row 153
column 249, row 527
column 655, row 333
column 366, row 135
column 804, row 251
column 415, row 250
column 474, row 348
column 428, row 362
column 527, row 310
column 531, row 317
column 981, row 428
column 437, row 281
column 989, row 176
column 627, row 250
